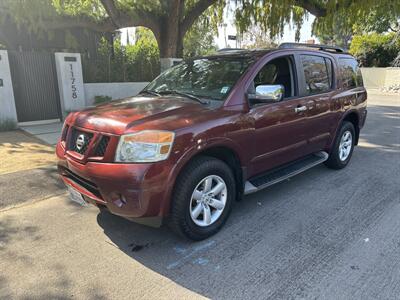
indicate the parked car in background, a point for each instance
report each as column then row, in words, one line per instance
column 212, row 129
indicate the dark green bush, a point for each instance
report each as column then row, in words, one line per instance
column 375, row 50
column 7, row 125
column 101, row 99
column 131, row 63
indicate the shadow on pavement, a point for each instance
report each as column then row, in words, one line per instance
column 288, row 240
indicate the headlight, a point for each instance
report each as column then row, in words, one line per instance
column 145, row 146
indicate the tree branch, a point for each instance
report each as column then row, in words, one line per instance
column 122, row 19
column 312, row 7
column 113, row 12
column 199, row 8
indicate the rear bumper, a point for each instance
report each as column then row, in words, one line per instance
column 128, row 190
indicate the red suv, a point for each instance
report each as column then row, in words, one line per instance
column 212, row 129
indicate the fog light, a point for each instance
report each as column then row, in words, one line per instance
column 120, row 201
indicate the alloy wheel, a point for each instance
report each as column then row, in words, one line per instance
column 208, row 200
column 346, row 143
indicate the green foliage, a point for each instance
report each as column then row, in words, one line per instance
column 256, row 38
column 101, row 99
column 138, row 62
column 341, row 36
column 378, row 21
column 269, row 15
column 141, row 61
column 375, row 50
column 199, row 40
column 357, row 18
column 7, row 125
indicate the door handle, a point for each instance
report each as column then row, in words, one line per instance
column 300, row 109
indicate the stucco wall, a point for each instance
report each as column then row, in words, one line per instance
column 7, row 104
column 375, row 78
column 115, row 90
column 392, row 76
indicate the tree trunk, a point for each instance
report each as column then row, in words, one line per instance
column 171, row 46
column 170, row 39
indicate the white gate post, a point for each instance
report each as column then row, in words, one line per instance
column 70, row 81
column 8, row 112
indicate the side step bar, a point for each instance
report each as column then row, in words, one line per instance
column 284, row 172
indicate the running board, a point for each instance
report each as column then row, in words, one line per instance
column 284, row 172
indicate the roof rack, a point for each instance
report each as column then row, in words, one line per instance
column 316, row 46
column 230, row 49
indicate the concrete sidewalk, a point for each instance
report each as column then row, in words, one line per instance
column 48, row 133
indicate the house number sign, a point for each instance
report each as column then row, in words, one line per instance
column 69, row 72
column 73, row 79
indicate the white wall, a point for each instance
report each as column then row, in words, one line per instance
column 375, row 78
column 392, row 76
column 115, row 90
column 7, row 103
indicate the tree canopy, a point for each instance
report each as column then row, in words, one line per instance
column 340, row 28
column 170, row 20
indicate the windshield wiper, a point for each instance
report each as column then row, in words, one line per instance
column 167, row 92
column 150, row 93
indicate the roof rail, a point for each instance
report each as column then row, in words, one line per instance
column 316, row 46
column 229, row 49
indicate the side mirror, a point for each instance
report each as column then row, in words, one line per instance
column 268, row 93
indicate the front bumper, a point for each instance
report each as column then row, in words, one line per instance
column 128, row 190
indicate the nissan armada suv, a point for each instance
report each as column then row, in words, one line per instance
column 211, row 129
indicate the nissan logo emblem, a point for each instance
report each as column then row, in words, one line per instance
column 80, row 141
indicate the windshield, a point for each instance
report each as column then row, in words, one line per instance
column 211, row 78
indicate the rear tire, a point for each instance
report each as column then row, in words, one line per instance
column 343, row 147
column 202, row 198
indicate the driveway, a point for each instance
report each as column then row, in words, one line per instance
column 322, row 234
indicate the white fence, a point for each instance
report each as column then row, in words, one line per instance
column 116, row 90
column 375, row 78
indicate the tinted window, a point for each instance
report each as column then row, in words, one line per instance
column 204, row 77
column 317, row 74
column 350, row 73
column 329, row 69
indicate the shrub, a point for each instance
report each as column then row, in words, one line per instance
column 375, row 50
column 101, row 99
column 7, row 125
column 132, row 63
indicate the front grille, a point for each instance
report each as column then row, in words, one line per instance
column 86, row 184
column 102, row 146
column 79, row 141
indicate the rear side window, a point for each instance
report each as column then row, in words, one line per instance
column 350, row 73
column 317, row 74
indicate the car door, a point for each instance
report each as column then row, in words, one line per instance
column 317, row 84
column 280, row 128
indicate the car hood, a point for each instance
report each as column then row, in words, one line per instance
column 125, row 115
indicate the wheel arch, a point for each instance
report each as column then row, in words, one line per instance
column 223, row 151
column 353, row 118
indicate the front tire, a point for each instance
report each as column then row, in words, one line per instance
column 202, row 198
column 343, row 147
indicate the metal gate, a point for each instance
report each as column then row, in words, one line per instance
column 35, row 86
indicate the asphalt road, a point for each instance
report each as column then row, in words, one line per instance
column 323, row 234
